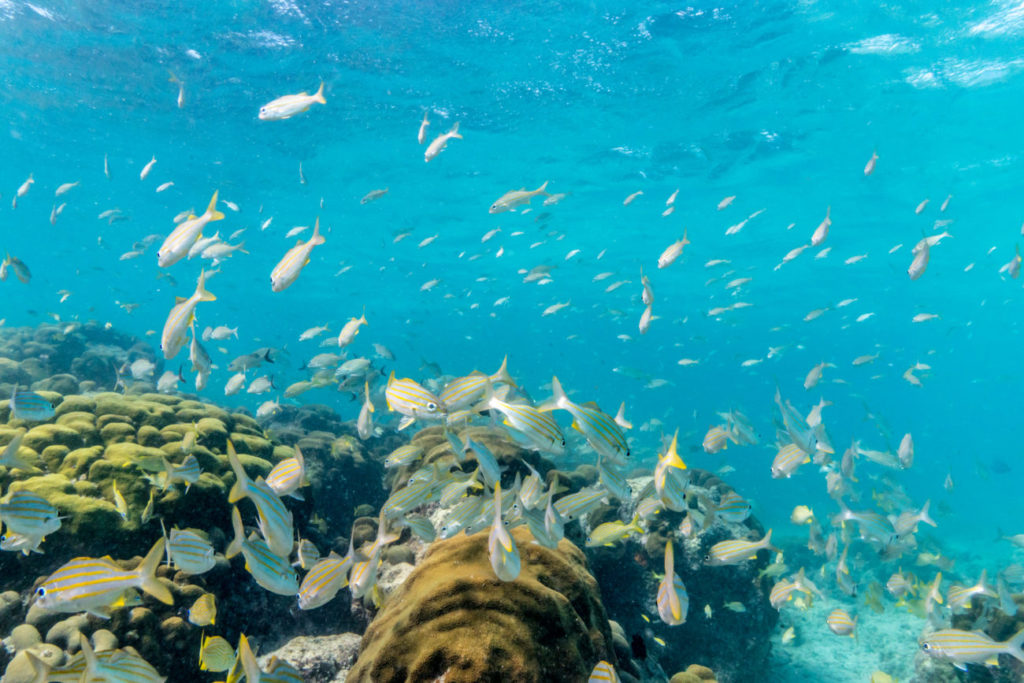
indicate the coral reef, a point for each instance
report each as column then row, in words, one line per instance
column 320, row 659
column 735, row 645
column 453, row 615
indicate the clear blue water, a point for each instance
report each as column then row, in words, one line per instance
column 778, row 103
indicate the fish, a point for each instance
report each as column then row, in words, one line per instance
column 673, row 601
column 306, row 554
column 959, row 597
column 578, row 504
column 602, row 432
column 31, row 407
column 421, row 136
column 610, row 533
column 92, row 585
column 920, row 262
column 119, row 502
column 275, row 520
column 604, row 672
column 187, row 472
column 408, row 397
column 21, row 271
column 840, row 622
column 672, row 252
column 364, row 423
column 537, row 429
column 970, row 647
column 30, row 516
column 869, row 167
column 501, row 547
column 373, row 195
column 291, row 264
column 403, row 456
column 350, row 329
column 147, row 168
column 513, row 198
column 234, row 384
column 190, row 552
column 670, row 479
column 716, row 438
column 787, row 460
column 181, row 239
column 467, row 391
column 732, row 508
column 439, row 143
column 116, row 665
column 288, row 106
column 737, row 550
column 215, row 654
column 288, row 476
column 323, row 581
column 181, row 317
column 801, row 515
column 269, row 569
column 203, row 611
column 821, row 232
column 363, row 576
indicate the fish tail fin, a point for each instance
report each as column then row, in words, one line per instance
column 248, row 660
column 235, row 546
column 40, row 669
column 635, row 523
column 147, row 574
column 204, row 294
column 670, row 562
column 766, row 542
column 91, row 663
column 923, row 515
column 1014, row 644
column 983, row 585
column 543, row 189
column 317, row 238
column 242, row 482
column 558, row 396
column 211, row 210
column 318, row 96
column 620, row 417
column 454, row 132
column 502, row 374
column 672, row 456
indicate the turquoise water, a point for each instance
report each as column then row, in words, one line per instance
column 780, row 104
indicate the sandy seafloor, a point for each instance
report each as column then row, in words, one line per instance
column 886, row 642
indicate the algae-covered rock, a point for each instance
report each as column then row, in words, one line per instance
column 454, row 617
column 317, row 658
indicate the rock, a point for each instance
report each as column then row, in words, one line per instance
column 454, row 615
column 10, row 608
column 24, row 636
column 104, row 640
column 695, row 673
column 66, row 633
column 320, row 659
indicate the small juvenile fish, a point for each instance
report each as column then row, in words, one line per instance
column 513, row 198
column 921, row 207
column 421, row 136
column 289, row 105
column 165, row 186
column 216, row 654
column 440, row 142
column 821, row 232
column 869, row 167
column 147, row 168
column 726, row 202
column 64, row 188
column 629, row 200
column 350, row 329
column 204, row 610
column 373, row 195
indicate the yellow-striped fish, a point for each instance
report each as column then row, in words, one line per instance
column 362, row 578
column 117, row 665
column 501, row 547
column 270, row 570
column 191, row 553
column 119, row 502
column 215, row 654
column 180, row 319
column 29, row 514
column 537, row 428
column 410, row 398
column 971, row 647
column 840, row 622
column 87, row 584
column 736, row 550
column 602, row 431
column 670, row 477
column 275, row 520
column 673, row 601
column 288, row 476
column 177, row 244
column 604, row 672
column 403, row 455
column 288, row 268
column 325, row 579
column 467, row 391
column 787, row 460
column 287, row 106
column 716, row 439
column 203, row 611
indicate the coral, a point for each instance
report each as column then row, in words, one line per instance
column 320, row 659
column 453, row 615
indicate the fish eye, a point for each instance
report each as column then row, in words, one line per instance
column 707, row 558
column 563, row 443
column 40, row 591
column 925, row 646
column 431, row 407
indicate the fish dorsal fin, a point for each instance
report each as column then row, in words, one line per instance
column 591, row 404
column 180, row 299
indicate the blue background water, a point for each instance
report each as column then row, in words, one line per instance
column 778, row 103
